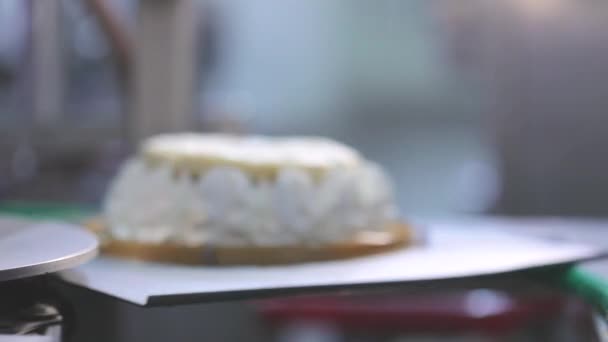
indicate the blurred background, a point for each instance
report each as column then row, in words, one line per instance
column 474, row 107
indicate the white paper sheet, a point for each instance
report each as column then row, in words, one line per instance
column 451, row 251
column 26, row 338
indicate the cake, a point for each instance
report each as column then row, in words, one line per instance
column 249, row 194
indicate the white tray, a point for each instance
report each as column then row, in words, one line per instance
column 452, row 251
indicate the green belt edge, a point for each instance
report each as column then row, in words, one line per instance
column 47, row 211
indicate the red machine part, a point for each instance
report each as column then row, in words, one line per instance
column 480, row 311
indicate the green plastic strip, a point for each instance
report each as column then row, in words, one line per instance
column 52, row 211
column 591, row 287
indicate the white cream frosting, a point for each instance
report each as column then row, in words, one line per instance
column 254, row 150
column 225, row 207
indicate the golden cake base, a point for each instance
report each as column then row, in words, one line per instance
column 395, row 236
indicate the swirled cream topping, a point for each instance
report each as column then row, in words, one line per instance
column 226, row 205
column 259, row 156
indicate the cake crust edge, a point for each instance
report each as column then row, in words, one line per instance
column 394, row 236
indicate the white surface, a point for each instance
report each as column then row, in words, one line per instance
column 28, row 248
column 26, row 338
column 452, row 252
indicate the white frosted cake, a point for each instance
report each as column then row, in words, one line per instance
column 224, row 190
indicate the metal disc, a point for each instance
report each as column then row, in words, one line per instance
column 29, row 248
